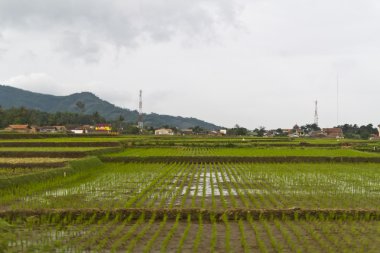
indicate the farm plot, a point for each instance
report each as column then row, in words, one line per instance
column 8, row 173
column 48, row 154
column 241, row 152
column 217, row 186
column 208, row 142
column 15, row 167
column 196, row 207
column 31, row 160
column 151, row 234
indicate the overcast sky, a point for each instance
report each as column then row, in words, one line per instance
column 247, row 62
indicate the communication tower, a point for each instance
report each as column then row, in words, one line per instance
column 316, row 113
column 140, row 119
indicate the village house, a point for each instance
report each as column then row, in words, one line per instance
column 21, row 129
column 214, row 133
column 374, row 136
column 103, row 128
column 187, row 131
column 317, row 134
column 78, row 131
column 223, row 131
column 286, row 131
column 164, row 131
column 52, row 129
column 270, row 133
column 335, row 132
column 296, row 131
column 81, row 129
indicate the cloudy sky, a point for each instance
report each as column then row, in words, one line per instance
column 247, row 62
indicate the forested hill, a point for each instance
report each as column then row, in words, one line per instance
column 88, row 103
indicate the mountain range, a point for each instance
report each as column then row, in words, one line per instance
column 88, row 103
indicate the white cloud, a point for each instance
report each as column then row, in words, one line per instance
column 79, row 45
column 268, row 71
column 83, row 26
column 2, row 52
column 37, row 82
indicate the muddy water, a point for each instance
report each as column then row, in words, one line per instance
column 205, row 182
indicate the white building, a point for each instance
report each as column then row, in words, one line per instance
column 164, row 131
column 78, row 131
column 223, row 131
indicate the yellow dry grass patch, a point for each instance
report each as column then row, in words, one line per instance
column 33, row 160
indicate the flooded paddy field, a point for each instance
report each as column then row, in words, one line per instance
column 215, row 186
column 193, row 205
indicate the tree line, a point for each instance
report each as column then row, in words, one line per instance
column 359, row 132
column 23, row 115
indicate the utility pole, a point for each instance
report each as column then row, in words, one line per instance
column 316, row 113
column 140, row 119
column 337, row 99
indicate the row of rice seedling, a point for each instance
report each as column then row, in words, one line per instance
column 114, row 232
column 25, row 186
column 169, row 235
column 187, row 198
column 326, row 185
column 105, row 227
column 222, row 195
column 241, row 183
column 212, row 185
column 158, row 183
column 241, row 152
column 152, row 235
column 152, row 240
column 96, row 233
column 196, row 188
column 180, row 151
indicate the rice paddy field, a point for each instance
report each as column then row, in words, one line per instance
column 92, row 204
column 255, row 152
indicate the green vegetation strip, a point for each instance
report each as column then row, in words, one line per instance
column 232, row 159
column 194, row 213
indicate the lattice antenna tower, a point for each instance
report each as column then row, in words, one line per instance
column 316, row 113
column 140, row 122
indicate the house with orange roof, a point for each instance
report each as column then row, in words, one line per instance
column 21, row 129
